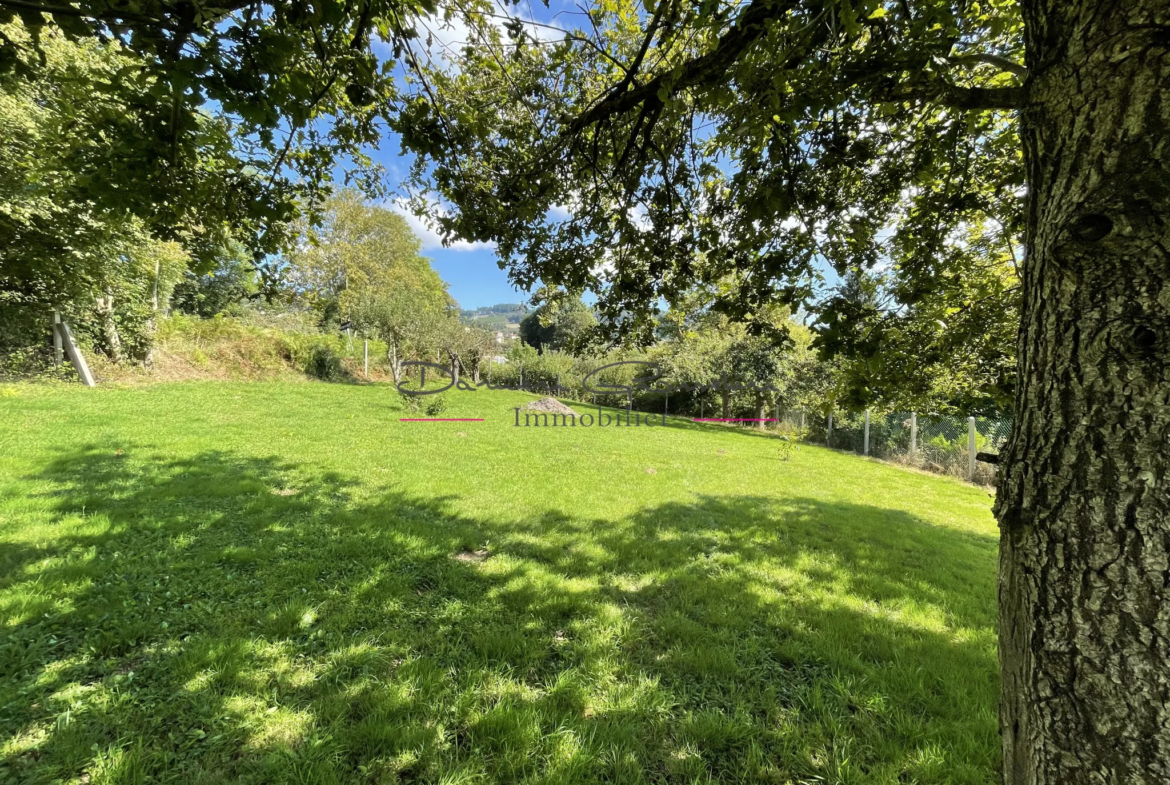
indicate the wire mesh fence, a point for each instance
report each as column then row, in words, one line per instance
column 936, row 443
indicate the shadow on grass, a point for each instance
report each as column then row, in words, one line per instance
column 223, row 619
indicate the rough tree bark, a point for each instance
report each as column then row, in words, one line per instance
column 113, row 343
column 152, row 322
column 1084, row 497
column 395, row 363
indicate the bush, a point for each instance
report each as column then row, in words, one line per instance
column 324, row 363
column 412, row 403
column 224, row 290
column 318, row 356
column 436, row 404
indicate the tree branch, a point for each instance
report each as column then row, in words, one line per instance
column 980, row 98
column 113, row 15
column 999, row 61
column 710, row 67
column 968, row 98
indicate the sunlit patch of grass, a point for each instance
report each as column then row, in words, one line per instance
column 506, row 605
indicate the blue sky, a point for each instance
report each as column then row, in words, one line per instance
column 474, row 279
column 471, row 270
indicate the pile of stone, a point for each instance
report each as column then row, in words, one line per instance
column 550, row 405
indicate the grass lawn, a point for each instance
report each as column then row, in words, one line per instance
column 262, row 583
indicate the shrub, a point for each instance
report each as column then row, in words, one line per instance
column 436, row 404
column 324, row 363
column 319, row 356
column 412, row 403
column 786, row 444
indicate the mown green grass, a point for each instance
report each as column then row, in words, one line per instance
column 217, row 582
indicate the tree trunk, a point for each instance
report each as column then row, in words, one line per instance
column 761, row 412
column 1084, row 496
column 395, row 366
column 152, row 322
column 726, row 396
column 113, row 343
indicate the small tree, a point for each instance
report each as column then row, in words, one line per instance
column 406, row 319
column 559, row 322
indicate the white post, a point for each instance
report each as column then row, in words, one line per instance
column 829, row 437
column 867, row 431
column 971, row 447
column 913, row 433
column 58, row 351
column 802, row 420
column 366, row 353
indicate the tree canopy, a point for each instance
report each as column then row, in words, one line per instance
column 361, row 264
column 777, row 144
column 560, row 323
column 205, row 122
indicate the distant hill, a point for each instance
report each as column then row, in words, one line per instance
column 504, row 316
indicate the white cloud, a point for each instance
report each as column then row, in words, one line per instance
column 426, row 228
column 442, row 39
column 639, row 218
column 604, row 269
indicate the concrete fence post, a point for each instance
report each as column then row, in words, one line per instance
column 58, row 348
column 867, row 431
column 913, row 433
column 75, row 355
column 971, row 447
column 366, row 357
column 829, row 436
